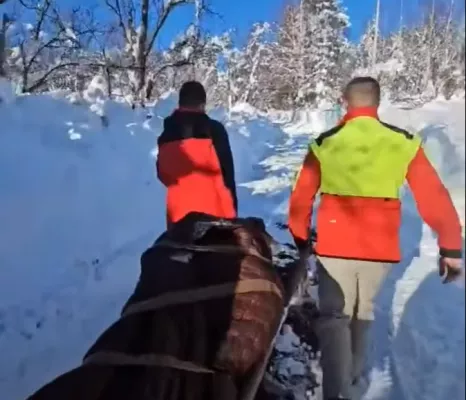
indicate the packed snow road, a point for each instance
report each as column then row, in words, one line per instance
column 79, row 203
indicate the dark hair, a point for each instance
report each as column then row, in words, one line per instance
column 192, row 94
column 366, row 84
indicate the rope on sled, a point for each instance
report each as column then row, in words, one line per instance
column 113, row 358
column 202, row 294
column 215, row 248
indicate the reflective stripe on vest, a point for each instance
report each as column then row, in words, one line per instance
column 365, row 159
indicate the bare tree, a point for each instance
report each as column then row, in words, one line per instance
column 3, row 29
column 140, row 35
column 51, row 44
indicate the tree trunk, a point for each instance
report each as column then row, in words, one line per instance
column 108, row 78
column 149, row 89
column 247, row 94
column 3, row 45
column 141, row 57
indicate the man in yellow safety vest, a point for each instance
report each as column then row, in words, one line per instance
column 359, row 168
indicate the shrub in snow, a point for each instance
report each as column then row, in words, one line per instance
column 96, row 94
column 95, row 90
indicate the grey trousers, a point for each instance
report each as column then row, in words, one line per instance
column 347, row 289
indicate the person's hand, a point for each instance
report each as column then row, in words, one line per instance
column 304, row 248
column 304, row 254
column 450, row 269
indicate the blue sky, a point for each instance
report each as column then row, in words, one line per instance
column 241, row 14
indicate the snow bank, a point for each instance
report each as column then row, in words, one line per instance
column 79, row 202
column 428, row 344
column 7, row 92
column 255, row 137
column 422, row 357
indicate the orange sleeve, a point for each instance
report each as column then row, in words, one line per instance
column 435, row 205
column 302, row 199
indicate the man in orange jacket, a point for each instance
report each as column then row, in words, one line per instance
column 359, row 168
column 195, row 161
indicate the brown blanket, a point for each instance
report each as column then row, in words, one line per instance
column 202, row 315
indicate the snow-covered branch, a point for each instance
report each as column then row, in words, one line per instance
column 303, row 60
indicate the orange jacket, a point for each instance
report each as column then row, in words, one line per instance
column 368, row 228
column 195, row 163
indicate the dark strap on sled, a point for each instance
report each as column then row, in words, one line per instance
column 202, row 294
column 215, row 248
column 113, row 358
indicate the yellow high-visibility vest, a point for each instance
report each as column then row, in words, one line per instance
column 365, row 158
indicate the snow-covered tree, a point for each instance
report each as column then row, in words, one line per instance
column 301, row 61
column 312, row 51
column 366, row 45
column 258, row 57
column 48, row 47
column 329, row 46
column 140, row 24
column 290, row 57
column 420, row 61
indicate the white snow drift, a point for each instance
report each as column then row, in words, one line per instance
column 79, row 202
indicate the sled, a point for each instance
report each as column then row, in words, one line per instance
column 205, row 311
